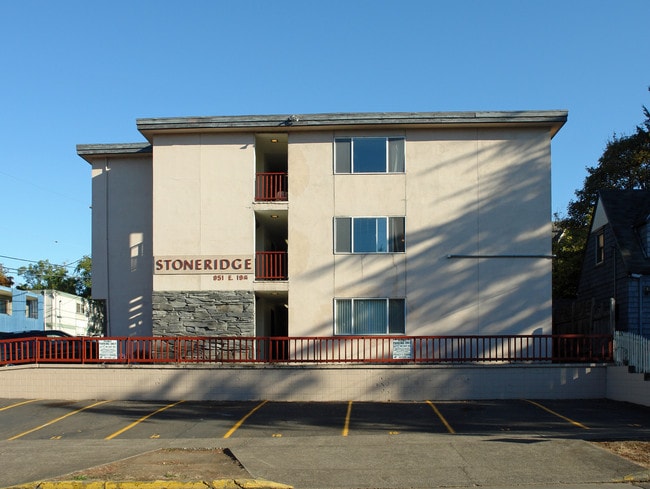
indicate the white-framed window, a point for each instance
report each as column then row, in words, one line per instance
column 369, row 316
column 600, row 247
column 31, row 308
column 369, row 155
column 369, row 235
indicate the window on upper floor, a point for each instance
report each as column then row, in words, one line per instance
column 600, row 247
column 643, row 232
column 5, row 305
column 369, row 155
column 369, row 235
column 31, row 308
column 369, row 316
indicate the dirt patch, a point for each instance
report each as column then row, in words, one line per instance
column 178, row 464
column 636, row 451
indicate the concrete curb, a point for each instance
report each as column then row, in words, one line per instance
column 215, row 484
column 638, row 477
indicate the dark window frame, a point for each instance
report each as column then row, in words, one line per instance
column 31, row 308
column 4, row 305
column 600, row 247
column 350, row 155
column 347, row 237
column 394, row 315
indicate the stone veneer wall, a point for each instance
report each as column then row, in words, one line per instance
column 204, row 313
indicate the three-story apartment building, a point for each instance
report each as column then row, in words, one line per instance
column 326, row 224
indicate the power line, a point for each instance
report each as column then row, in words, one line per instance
column 46, row 189
column 71, row 265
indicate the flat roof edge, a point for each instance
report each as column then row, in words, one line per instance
column 90, row 151
column 113, row 149
column 550, row 117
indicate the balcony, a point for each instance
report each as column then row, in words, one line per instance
column 271, row 187
column 271, row 265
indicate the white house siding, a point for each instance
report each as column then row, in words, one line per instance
column 67, row 312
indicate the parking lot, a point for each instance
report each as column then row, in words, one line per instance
column 501, row 443
column 31, row 419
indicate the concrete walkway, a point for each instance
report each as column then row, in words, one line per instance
column 361, row 461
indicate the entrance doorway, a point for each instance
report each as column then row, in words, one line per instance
column 272, row 320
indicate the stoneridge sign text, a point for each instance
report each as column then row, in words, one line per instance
column 188, row 265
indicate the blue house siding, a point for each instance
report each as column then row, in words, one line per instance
column 16, row 318
column 639, row 305
column 622, row 217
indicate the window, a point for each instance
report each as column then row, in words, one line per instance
column 643, row 231
column 368, row 234
column 4, row 305
column 31, row 308
column 369, row 316
column 80, row 308
column 369, row 155
column 600, row 247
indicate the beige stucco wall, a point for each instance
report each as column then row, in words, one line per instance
column 478, row 192
column 202, row 203
column 470, row 192
column 311, row 202
column 122, row 241
column 378, row 383
column 465, row 191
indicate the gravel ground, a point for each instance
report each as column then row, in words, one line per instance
column 173, row 464
column 636, row 451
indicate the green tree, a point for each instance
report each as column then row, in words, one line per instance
column 568, row 248
column 625, row 164
column 83, row 277
column 45, row 275
column 5, row 281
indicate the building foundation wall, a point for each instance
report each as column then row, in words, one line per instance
column 300, row 383
column 623, row 385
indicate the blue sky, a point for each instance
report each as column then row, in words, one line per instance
column 77, row 72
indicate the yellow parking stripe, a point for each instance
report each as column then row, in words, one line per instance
column 574, row 423
column 241, row 421
column 143, row 418
column 442, row 418
column 56, row 420
column 346, row 426
column 19, row 404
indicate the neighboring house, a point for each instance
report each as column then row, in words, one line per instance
column 326, row 224
column 20, row 310
column 616, row 265
column 69, row 313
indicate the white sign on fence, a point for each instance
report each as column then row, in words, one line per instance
column 107, row 349
column 402, row 349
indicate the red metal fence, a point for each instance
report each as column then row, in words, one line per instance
column 271, row 265
column 314, row 350
column 271, row 186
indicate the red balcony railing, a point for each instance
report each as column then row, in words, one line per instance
column 271, row 186
column 271, row 265
column 314, row 350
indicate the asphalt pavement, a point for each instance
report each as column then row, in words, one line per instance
column 346, row 446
